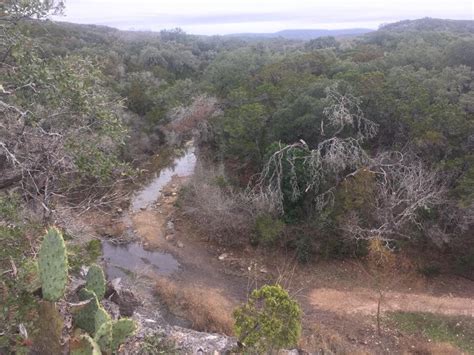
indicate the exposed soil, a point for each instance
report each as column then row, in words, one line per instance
column 364, row 301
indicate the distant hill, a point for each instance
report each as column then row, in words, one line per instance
column 431, row 24
column 303, row 34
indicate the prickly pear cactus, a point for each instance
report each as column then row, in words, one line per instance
column 101, row 317
column 95, row 281
column 121, row 330
column 84, row 345
column 103, row 337
column 85, row 318
column 52, row 265
column 49, row 325
column 85, row 294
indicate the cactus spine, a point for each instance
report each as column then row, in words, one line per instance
column 52, row 265
column 95, row 281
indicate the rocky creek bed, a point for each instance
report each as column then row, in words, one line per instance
column 132, row 266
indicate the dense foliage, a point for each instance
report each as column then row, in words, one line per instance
column 356, row 139
column 269, row 321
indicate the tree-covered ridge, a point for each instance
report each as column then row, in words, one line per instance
column 120, row 94
column 282, row 119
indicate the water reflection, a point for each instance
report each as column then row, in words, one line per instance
column 121, row 259
column 183, row 166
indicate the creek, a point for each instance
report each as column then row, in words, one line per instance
column 122, row 260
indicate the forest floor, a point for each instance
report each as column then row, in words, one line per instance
column 339, row 299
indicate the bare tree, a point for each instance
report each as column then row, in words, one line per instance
column 385, row 272
column 403, row 185
column 403, row 189
column 191, row 121
column 326, row 164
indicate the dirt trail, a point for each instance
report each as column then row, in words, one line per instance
column 364, row 301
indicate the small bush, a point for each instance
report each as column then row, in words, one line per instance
column 336, row 247
column 430, row 270
column 268, row 229
column 464, row 265
column 221, row 181
column 270, row 320
column 318, row 339
column 80, row 254
column 304, row 249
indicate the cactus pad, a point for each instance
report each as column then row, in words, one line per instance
column 52, row 265
column 121, row 330
column 101, row 317
column 103, row 336
column 95, row 281
column 86, row 317
column 84, row 345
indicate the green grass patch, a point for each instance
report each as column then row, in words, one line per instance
column 157, row 345
column 80, row 254
column 9, row 207
column 457, row 330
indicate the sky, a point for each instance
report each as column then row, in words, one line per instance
column 238, row 16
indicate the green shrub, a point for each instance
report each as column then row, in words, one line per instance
column 83, row 254
column 267, row 229
column 221, row 181
column 464, row 265
column 304, row 249
column 157, row 344
column 336, row 247
column 430, row 270
column 270, row 320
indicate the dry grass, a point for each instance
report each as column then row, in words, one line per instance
column 321, row 340
column 433, row 349
column 206, row 308
column 221, row 214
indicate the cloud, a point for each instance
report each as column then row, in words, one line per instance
column 212, row 16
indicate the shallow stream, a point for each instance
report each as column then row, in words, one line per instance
column 121, row 260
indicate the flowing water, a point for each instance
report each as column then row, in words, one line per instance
column 181, row 166
column 123, row 259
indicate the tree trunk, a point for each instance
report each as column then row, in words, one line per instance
column 379, row 303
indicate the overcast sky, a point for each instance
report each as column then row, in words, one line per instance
column 236, row 16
